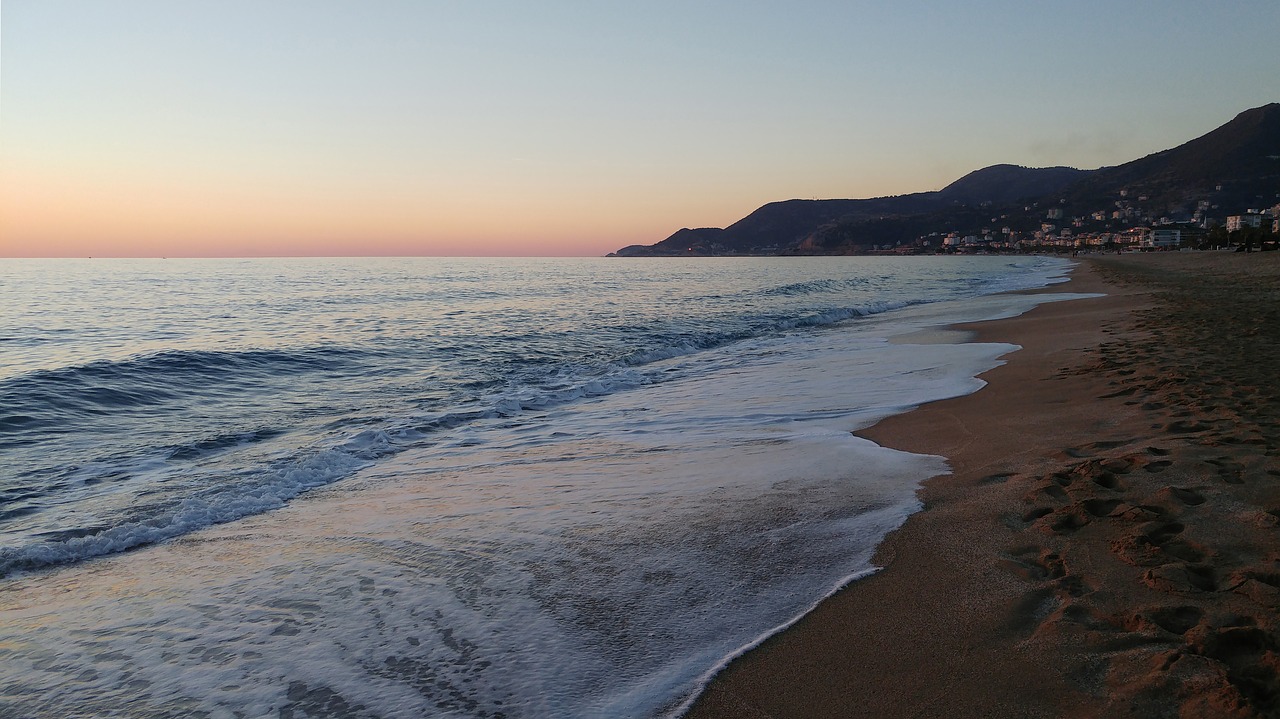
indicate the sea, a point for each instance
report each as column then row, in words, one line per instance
column 426, row 487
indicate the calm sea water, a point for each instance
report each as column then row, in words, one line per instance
column 427, row 487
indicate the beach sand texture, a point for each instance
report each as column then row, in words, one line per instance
column 1109, row 541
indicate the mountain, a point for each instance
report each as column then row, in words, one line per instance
column 778, row 226
column 1245, row 151
column 1002, row 184
column 1236, row 163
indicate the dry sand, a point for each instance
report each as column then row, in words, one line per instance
column 1109, row 542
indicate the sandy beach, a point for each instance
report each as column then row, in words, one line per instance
column 1108, row 543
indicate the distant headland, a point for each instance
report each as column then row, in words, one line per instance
column 1227, row 181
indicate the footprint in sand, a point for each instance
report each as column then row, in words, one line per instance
column 1067, row 522
column 1155, row 544
column 1162, row 533
column 1248, row 652
column 1036, row 563
column 1057, row 521
column 1052, row 490
column 1181, row 578
column 1229, row 471
column 1037, row 513
column 1259, row 584
column 1183, row 495
column 1100, row 507
column 1187, row 427
column 1174, row 620
column 1106, row 480
column 1062, row 479
column 1120, row 465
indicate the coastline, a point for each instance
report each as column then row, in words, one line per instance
column 1103, row 545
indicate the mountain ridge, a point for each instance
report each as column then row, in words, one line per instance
column 1243, row 154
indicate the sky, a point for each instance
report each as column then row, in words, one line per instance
column 567, row 128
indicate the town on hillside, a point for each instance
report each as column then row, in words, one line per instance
column 1121, row 227
column 1216, row 191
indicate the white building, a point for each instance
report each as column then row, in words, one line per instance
column 1162, row 238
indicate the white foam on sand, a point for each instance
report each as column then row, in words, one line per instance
column 596, row 559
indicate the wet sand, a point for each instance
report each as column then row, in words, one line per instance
column 1108, row 543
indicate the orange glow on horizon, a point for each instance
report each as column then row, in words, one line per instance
column 46, row 214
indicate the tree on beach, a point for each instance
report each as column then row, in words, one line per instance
column 1251, row 238
column 1217, row 237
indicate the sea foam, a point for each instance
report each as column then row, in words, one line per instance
column 592, row 554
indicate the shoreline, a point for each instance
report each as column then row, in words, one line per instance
column 1082, row 559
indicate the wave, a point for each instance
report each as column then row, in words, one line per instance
column 353, row 442
column 521, row 374
column 220, row 442
column 814, row 287
column 53, row 397
column 763, row 326
column 195, row 364
column 224, row 504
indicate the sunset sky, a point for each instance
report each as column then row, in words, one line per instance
column 415, row 127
